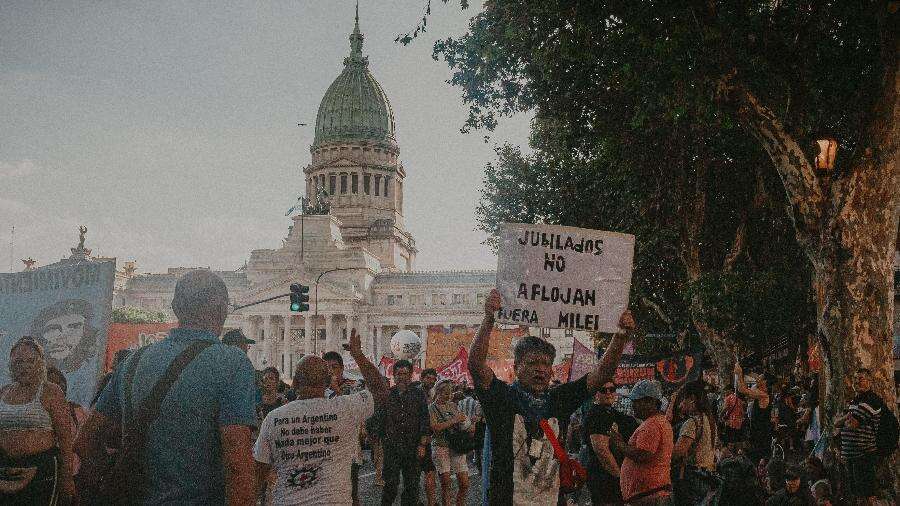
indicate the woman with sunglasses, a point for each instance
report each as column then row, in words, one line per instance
column 35, row 433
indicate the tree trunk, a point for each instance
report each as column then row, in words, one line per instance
column 855, row 299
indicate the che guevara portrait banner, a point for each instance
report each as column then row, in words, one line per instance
column 65, row 307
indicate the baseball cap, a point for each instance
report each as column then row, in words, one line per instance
column 236, row 337
column 646, row 388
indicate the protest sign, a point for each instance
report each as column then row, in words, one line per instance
column 131, row 336
column 65, row 306
column 563, row 277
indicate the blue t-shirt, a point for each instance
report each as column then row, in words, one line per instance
column 183, row 454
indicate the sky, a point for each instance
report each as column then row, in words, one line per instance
column 169, row 129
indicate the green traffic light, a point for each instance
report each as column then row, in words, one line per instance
column 295, row 306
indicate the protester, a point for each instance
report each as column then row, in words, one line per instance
column 446, row 417
column 198, row 448
column 858, row 428
column 427, row 379
column 821, row 493
column 271, row 399
column 470, row 406
column 601, row 462
column 733, row 416
column 341, row 385
column 236, row 338
column 791, row 492
column 36, row 433
column 694, row 451
column 322, row 434
column 522, row 468
column 645, row 475
column 760, row 434
column 407, row 427
column 76, row 412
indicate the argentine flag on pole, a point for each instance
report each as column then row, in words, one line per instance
column 299, row 206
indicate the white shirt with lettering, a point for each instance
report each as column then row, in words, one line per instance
column 310, row 444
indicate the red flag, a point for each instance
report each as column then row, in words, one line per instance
column 458, row 368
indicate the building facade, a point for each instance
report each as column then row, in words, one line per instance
column 358, row 258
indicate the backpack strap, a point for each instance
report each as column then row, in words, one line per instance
column 128, row 387
column 149, row 410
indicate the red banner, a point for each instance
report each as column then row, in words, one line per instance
column 458, row 369
column 584, row 360
column 131, row 336
column 671, row 371
column 561, row 370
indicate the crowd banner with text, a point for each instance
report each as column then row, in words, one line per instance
column 670, row 371
column 444, row 343
column 65, row 306
column 131, row 336
column 563, row 277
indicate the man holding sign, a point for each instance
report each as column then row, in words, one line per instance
column 519, row 461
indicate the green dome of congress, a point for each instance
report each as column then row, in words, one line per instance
column 355, row 107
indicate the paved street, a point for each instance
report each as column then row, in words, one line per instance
column 371, row 495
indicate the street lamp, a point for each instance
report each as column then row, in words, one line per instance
column 827, row 154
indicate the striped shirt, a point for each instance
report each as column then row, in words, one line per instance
column 470, row 407
column 859, row 440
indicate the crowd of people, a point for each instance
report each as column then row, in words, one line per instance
column 189, row 421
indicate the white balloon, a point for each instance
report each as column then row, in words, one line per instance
column 406, row 345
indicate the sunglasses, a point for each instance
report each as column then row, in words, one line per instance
column 608, row 390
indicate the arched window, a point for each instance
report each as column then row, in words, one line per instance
column 343, row 183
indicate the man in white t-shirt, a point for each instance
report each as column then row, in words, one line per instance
column 310, row 443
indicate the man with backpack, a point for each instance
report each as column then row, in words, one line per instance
column 868, row 432
column 185, row 406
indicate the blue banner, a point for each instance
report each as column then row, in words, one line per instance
column 65, row 306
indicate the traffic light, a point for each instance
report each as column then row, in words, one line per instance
column 299, row 298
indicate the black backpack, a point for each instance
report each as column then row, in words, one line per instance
column 888, row 431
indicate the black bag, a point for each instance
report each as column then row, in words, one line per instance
column 459, row 441
column 888, row 429
column 124, row 483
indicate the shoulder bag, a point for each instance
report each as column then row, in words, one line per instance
column 125, row 481
column 459, row 441
column 572, row 474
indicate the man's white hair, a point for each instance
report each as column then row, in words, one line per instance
column 198, row 294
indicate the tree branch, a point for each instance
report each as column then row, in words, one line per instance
column 658, row 310
column 798, row 176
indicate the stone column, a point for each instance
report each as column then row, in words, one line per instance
column 423, row 335
column 308, row 330
column 289, row 347
column 330, row 337
column 269, row 341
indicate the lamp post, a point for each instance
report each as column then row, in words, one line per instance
column 315, row 336
column 827, row 154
